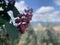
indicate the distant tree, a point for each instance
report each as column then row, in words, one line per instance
column 31, row 33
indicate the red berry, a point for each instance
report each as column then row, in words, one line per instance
column 27, row 15
column 23, row 19
column 26, row 25
column 21, row 28
column 17, row 21
column 21, row 15
column 28, row 20
column 30, row 17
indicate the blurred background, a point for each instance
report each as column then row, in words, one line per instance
column 44, row 28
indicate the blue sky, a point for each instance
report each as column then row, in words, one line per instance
column 38, row 3
column 43, row 9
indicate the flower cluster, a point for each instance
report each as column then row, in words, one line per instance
column 24, row 20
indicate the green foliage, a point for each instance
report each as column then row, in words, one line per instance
column 12, row 31
column 2, row 21
column 2, row 40
column 15, row 12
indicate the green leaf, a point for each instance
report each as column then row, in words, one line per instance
column 4, row 15
column 12, row 31
column 15, row 12
column 2, row 21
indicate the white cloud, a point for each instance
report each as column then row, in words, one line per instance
column 45, row 9
column 20, row 5
column 53, row 16
column 57, row 2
